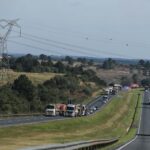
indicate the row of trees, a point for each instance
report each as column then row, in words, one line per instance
column 43, row 63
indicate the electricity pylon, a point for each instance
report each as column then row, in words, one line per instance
column 6, row 25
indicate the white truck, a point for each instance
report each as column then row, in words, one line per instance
column 50, row 110
column 71, row 110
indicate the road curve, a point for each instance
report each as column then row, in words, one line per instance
column 142, row 139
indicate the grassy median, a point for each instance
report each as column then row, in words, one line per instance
column 111, row 122
column 135, row 124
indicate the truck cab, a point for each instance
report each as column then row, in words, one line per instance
column 71, row 110
column 50, row 110
column 83, row 110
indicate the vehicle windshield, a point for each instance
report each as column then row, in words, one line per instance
column 49, row 107
column 70, row 108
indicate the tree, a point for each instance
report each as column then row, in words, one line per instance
column 43, row 57
column 44, row 94
column 82, row 60
column 141, row 62
column 109, row 64
column 24, row 86
column 147, row 65
column 10, row 102
column 135, row 78
column 90, row 62
column 60, row 67
column 26, row 63
column 69, row 60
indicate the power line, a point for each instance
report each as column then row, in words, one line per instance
column 62, row 47
column 34, row 47
column 88, row 36
column 83, row 49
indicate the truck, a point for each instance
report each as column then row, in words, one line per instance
column 107, row 91
column 55, row 109
column 81, row 110
column 62, row 109
column 72, row 110
column 75, row 110
column 50, row 110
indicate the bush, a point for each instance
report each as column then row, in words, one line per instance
column 87, row 91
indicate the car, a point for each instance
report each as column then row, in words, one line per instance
column 91, row 111
column 105, row 97
column 96, row 107
column 93, row 108
column 105, row 101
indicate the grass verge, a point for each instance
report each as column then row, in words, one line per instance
column 110, row 122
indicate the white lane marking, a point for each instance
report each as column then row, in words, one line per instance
column 138, row 130
column 127, row 144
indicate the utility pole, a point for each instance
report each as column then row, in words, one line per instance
column 6, row 25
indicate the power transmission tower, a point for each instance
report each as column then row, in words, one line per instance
column 6, row 25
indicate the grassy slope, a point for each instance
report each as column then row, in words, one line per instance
column 112, row 121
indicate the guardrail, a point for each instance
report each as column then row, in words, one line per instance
column 84, row 145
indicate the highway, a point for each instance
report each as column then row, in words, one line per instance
column 99, row 102
column 142, row 139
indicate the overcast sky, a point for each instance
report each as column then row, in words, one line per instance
column 102, row 28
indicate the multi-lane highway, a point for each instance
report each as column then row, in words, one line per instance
column 142, row 139
column 98, row 102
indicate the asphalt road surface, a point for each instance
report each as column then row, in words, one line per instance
column 98, row 102
column 26, row 120
column 142, row 139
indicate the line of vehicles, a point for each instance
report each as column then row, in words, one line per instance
column 68, row 110
column 112, row 90
column 75, row 110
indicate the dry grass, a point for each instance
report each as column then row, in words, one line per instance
column 114, row 74
column 36, row 78
column 111, row 75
